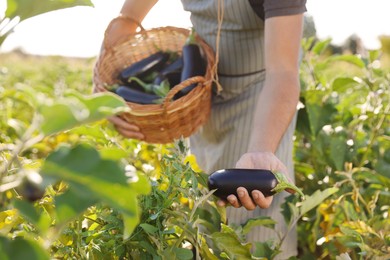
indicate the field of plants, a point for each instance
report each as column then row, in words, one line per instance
column 72, row 188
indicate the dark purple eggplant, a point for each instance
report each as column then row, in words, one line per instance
column 173, row 78
column 226, row 182
column 171, row 72
column 194, row 63
column 136, row 96
column 31, row 187
column 146, row 66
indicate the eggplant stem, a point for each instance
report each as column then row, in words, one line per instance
column 284, row 183
column 148, row 87
column 191, row 38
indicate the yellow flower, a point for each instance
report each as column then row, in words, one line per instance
column 191, row 159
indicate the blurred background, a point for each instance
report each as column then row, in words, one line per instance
column 342, row 140
column 78, row 31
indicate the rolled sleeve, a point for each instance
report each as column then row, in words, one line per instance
column 274, row 8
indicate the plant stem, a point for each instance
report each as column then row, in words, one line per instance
column 289, row 229
column 374, row 135
column 80, row 250
column 25, row 141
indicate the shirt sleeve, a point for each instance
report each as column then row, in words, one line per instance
column 283, row 7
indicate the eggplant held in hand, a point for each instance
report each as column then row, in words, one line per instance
column 227, row 181
column 144, row 67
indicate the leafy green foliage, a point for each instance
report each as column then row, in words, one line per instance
column 342, row 141
column 108, row 197
column 21, row 249
column 76, row 109
column 29, row 8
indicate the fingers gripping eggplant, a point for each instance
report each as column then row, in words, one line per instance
column 227, row 181
column 136, row 96
column 142, row 68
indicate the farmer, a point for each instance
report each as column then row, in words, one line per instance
column 252, row 120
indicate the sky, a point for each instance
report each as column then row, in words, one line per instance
column 79, row 31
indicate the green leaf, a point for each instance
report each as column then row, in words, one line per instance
column 70, row 205
column 209, row 217
column 307, row 43
column 206, row 252
column 350, row 211
column 91, row 176
column 264, row 250
column 228, row 242
column 342, row 84
column 352, row 59
column 62, row 115
column 29, row 8
column 321, row 46
column 21, row 249
column 113, row 153
column 303, row 123
column 320, row 113
column 130, row 221
column 290, row 211
column 140, row 183
column 338, row 149
column 182, row 253
column 285, row 184
column 316, row 199
column 32, row 215
column 383, row 167
column 259, row 221
column 100, row 105
column 76, row 109
column 374, row 55
column 27, row 210
column 148, row 228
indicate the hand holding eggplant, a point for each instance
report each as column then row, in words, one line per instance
column 248, row 186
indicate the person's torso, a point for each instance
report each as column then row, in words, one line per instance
column 241, row 35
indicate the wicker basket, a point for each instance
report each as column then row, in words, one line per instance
column 173, row 119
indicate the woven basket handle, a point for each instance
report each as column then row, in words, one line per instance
column 120, row 17
column 194, row 80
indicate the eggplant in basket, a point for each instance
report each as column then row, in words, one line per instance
column 172, row 73
column 193, row 63
column 136, row 96
column 145, row 67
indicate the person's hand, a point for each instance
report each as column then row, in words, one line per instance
column 126, row 129
column 254, row 160
column 118, row 29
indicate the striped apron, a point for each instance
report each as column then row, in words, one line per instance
column 225, row 137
